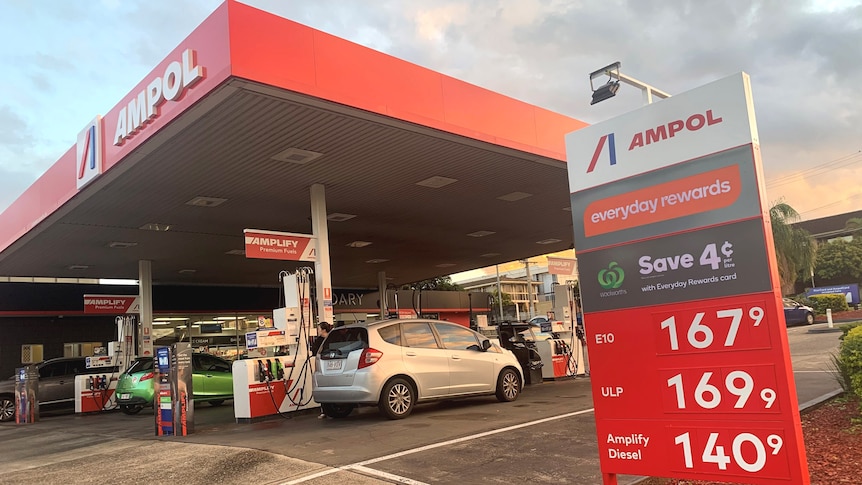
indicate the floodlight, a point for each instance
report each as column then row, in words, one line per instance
column 611, row 86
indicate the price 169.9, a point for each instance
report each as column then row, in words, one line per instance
column 746, row 389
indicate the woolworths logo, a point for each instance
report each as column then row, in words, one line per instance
column 612, row 277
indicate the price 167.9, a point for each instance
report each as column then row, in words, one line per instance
column 712, row 329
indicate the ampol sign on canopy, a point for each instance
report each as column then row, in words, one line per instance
column 690, row 365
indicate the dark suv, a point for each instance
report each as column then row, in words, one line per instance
column 56, row 385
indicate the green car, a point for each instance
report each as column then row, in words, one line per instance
column 212, row 381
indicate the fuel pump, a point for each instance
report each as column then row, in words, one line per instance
column 94, row 391
column 280, row 384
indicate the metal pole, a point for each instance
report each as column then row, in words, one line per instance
column 499, row 292
column 529, row 289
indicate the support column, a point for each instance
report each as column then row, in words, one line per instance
column 499, row 292
column 384, row 298
column 145, row 292
column 322, row 276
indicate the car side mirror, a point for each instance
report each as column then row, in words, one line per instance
column 486, row 344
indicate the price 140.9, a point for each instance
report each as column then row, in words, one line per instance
column 713, row 329
column 747, row 451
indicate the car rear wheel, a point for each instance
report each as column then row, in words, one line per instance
column 7, row 408
column 809, row 318
column 397, row 399
column 131, row 409
column 337, row 410
column 508, row 385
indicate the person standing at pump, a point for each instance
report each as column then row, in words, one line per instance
column 322, row 332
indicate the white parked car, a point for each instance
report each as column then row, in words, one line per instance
column 398, row 363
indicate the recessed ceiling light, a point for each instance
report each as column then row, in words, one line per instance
column 206, row 201
column 490, row 255
column 549, row 241
column 514, row 196
column 376, row 261
column 236, row 252
column 78, row 266
column 436, row 182
column 122, row 244
column 155, row 226
column 188, row 271
column 481, row 233
column 339, row 217
column 359, row 244
column 445, row 265
column 296, row 155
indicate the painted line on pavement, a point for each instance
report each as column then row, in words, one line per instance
column 388, row 476
column 361, row 468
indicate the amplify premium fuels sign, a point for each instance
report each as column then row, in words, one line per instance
column 689, row 361
column 279, row 245
column 111, row 304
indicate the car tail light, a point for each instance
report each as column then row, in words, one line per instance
column 369, row 357
column 147, row 376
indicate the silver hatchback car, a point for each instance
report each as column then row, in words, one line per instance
column 397, row 363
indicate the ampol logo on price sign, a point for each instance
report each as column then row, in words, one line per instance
column 689, row 359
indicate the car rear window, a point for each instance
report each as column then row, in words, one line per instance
column 140, row 365
column 345, row 340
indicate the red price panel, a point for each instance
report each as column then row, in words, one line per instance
column 760, row 453
column 692, row 329
column 736, row 389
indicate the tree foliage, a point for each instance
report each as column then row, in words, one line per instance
column 795, row 249
column 840, row 260
column 440, row 283
column 507, row 298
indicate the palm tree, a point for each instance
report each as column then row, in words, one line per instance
column 795, row 249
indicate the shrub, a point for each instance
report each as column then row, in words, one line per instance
column 850, row 356
column 847, row 327
column 821, row 302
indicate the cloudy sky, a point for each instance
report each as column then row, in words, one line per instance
column 63, row 62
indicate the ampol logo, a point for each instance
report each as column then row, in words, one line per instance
column 89, row 150
column 612, row 151
column 612, row 277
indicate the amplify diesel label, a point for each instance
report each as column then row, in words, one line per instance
column 720, row 261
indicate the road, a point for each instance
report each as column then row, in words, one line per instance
column 547, row 436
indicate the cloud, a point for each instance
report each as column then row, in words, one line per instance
column 803, row 58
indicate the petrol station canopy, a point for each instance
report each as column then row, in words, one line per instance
column 237, row 123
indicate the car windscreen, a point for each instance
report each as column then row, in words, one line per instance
column 140, row 365
column 344, row 340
